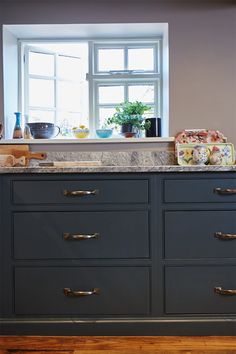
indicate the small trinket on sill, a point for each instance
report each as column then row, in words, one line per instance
column 27, row 134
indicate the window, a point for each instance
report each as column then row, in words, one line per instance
column 56, row 89
column 74, row 83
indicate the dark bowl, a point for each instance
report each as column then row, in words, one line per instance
column 43, row 130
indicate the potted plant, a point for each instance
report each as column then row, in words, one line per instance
column 129, row 116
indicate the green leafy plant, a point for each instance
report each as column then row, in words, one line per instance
column 105, row 126
column 130, row 113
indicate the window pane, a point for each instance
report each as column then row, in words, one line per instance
column 41, row 116
column 142, row 93
column 41, row 64
column 141, row 59
column 72, row 119
column 110, row 59
column 105, row 113
column 67, row 121
column 69, row 96
column 149, row 114
column 111, row 94
column 41, row 93
column 69, row 68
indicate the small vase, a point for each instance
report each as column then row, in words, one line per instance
column 17, row 132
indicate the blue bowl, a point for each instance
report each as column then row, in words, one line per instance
column 104, row 133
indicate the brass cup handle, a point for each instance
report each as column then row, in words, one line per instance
column 80, row 237
column 69, row 193
column 225, row 191
column 77, row 293
column 227, row 292
column 223, row 236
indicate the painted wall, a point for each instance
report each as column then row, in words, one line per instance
column 10, row 58
column 202, row 44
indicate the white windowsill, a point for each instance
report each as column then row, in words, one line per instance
column 88, row 141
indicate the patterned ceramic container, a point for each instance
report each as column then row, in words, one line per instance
column 200, row 154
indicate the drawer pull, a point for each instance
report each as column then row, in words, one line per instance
column 68, row 193
column 225, row 191
column 77, row 293
column 80, row 237
column 227, row 292
column 222, row 236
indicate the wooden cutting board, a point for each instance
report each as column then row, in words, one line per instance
column 21, row 150
column 11, row 161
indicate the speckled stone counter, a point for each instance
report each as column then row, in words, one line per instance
column 118, row 169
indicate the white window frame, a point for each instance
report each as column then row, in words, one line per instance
column 96, row 78
column 55, row 78
column 27, row 76
column 125, row 83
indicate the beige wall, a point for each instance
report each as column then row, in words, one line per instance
column 202, row 42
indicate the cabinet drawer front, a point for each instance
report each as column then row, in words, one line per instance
column 107, row 234
column 191, row 289
column 200, row 234
column 80, row 192
column 122, row 291
column 200, row 191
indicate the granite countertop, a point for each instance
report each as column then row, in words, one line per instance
column 118, row 169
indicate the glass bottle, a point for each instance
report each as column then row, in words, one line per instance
column 27, row 134
column 17, row 132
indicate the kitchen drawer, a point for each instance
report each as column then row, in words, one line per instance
column 191, row 289
column 85, row 191
column 200, row 191
column 95, row 234
column 192, row 234
column 122, row 291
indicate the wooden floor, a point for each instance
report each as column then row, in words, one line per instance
column 116, row 345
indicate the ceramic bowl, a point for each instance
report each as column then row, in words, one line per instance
column 104, row 133
column 43, row 130
column 81, row 133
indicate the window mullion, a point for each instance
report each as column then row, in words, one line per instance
column 126, row 57
column 93, row 110
column 126, row 93
column 56, row 87
column 26, row 83
column 148, row 76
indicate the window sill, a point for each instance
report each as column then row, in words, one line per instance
column 88, row 141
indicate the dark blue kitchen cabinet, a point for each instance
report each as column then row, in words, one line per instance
column 118, row 254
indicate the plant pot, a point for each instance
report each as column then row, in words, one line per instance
column 128, row 130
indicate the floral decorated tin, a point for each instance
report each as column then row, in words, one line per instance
column 191, row 136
